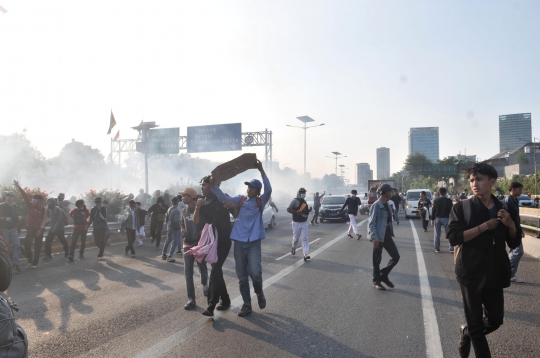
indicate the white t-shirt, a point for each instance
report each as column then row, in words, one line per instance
column 392, row 205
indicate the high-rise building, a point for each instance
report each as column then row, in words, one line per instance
column 362, row 174
column 371, row 174
column 425, row 140
column 514, row 131
column 383, row 163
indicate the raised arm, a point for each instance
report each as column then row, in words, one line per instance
column 267, row 189
column 23, row 194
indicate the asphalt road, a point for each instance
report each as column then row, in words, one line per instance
column 133, row 307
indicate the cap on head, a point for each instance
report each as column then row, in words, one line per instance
column 61, row 195
column 302, row 190
column 385, row 187
column 254, row 183
column 6, row 193
column 189, row 191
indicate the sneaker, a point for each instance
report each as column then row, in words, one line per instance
column 223, row 306
column 464, row 346
column 349, row 235
column 170, row 259
column 190, row 304
column 293, row 250
column 33, row 267
column 307, row 257
column 209, row 312
column 437, row 250
column 163, row 257
column 133, row 255
column 205, row 290
column 29, row 264
column 516, row 280
column 246, row 309
column 261, row 300
column 70, row 258
column 47, row 258
column 387, row 282
column 100, row 258
column 358, row 236
column 378, row 286
column 66, row 254
column 16, row 269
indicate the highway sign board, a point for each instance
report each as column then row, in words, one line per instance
column 163, row 141
column 214, row 138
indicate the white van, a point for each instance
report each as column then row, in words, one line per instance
column 411, row 202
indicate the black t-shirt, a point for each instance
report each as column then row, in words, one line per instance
column 193, row 231
column 215, row 213
column 396, row 199
column 158, row 212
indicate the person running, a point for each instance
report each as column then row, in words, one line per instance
column 300, row 213
column 247, row 234
column 80, row 228
column 98, row 218
column 57, row 229
column 192, row 233
column 381, row 233
column 9, row 221
column 515, row 255
column 130, row 222
column 396, row 199
column 173, row 219
column 440, row 216
column 35, row 226
column 423, row 207
column 211, row 211
column 157, row 212
column 316, row 206
column 140, row 235
column 352, row 204
column 483, row 228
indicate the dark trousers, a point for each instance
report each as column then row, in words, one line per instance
column 32, row 237
column 392, row 250
column 424, row 220
column 315, row 215
column 74, row 238
column 155, row 231
column 49, row 239
column 216, row 287
column 484, row 312
column 130, row 233
column 99, row 240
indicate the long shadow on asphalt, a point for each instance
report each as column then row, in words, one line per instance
column 291, row 335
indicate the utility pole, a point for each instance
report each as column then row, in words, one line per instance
column 305, row 119
column 336, row 158
column 143, row 147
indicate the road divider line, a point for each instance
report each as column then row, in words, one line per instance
column 431, row 328
column 165, row 345
column 279, row 258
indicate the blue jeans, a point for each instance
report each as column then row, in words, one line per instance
column 515, row 256
column 12, row 238
column 189, row 262
column 173, row 239
column 440, row 222
column 247, row 256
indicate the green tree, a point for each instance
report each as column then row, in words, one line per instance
column 521, row 158
column 415, row 162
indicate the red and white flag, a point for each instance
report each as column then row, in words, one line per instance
column 117, row 135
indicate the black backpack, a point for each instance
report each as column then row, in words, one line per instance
column 78, row 217
column 13, row 339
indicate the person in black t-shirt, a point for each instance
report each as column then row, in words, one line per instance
column 158, row 211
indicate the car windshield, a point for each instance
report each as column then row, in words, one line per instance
column 523, row 197
column 333, row 200
column 415, row 195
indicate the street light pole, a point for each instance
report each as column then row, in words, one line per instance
column 305, row 119
column 535, row 170
column 336, row 158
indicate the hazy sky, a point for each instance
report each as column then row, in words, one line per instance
column 369, row 70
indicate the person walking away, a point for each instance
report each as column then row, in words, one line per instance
column 9, row 221
column 515, row 255
column 142, row 198
column 247, row 234
column 140, row 235
column 80, row 217
column 130, row 223
column 57, row 229
column 439, row 218
column 423, row 207
column 155, row 196
column 381, row 233
column 35, row 226
column 173, row 220
column 300, row 213
column 316, row 206
column 396, row 199
column 211, row 211
column 98, row 218
column 482, row 226
column 157, row 212
column 352, row 203
column 192, row 233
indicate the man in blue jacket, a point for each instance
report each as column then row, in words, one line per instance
column 352, row 203
column 381, row 233
column 247, row 234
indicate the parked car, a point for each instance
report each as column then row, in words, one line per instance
column 411, row 202
column 269, row 217
column 330, row 205
column 525, row 200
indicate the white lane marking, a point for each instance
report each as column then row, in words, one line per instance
column 431, row 328
column 177, row 338
column 279, row 258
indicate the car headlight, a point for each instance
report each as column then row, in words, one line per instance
column 406, row 206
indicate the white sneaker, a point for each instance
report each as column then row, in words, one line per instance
column 517, row 280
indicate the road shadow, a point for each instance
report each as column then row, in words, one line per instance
column 290, row 335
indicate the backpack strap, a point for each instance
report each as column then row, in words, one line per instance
column 259, row 203
column 467, row 210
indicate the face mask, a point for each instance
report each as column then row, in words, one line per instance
column 302, row 196
column 354, row 195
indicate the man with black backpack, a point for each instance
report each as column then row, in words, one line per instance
column 247, row 234
column 300, row 212
column 482, row 226
column 80, row 228
column 98, row 217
